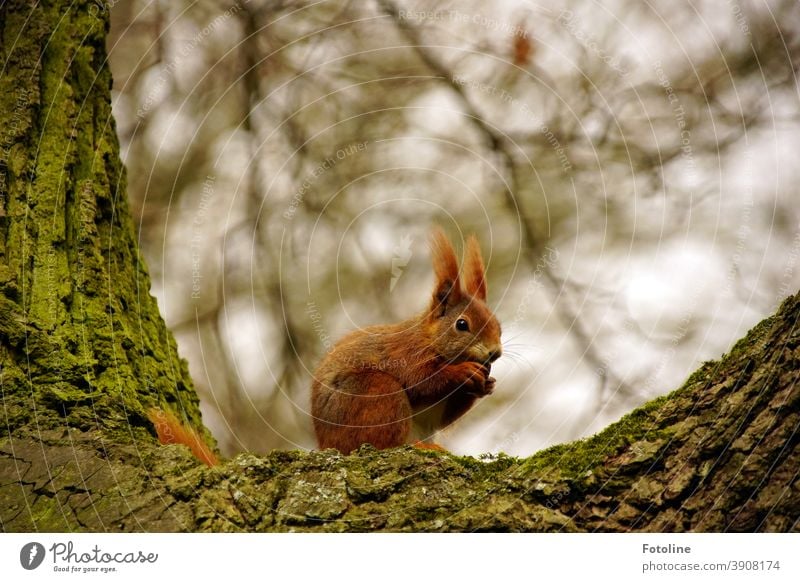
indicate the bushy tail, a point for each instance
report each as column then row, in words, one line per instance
column 172, row 432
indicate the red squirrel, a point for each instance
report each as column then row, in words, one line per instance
column 389, row 385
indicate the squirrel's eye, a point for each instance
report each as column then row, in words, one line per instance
column 462, row 325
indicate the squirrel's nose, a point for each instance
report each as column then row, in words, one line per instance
column 493, row 355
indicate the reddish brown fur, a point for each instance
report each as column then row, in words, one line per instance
column 474, row 278
column 172, row 432
column 380, row 380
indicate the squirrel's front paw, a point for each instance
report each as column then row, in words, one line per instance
column 475, row 379
column 488, row 386
column 479, row 390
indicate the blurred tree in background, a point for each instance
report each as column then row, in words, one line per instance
column 628, row 167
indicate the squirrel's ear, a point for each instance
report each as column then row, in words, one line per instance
column 447, row 289
column 474, row 272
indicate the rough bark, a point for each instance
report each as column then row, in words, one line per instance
column 82, row 343
column 84, row 354
column 719, row 454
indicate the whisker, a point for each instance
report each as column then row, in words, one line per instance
column 522, row 365
column 520, row 349
column 520, row 334
column 513, row 345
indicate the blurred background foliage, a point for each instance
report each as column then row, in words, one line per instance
column 630, row 169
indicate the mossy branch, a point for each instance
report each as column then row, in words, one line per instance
column 718, row 454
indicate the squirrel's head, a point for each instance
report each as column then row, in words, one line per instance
column 462, row 325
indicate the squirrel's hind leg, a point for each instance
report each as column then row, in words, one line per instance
column 361, row 408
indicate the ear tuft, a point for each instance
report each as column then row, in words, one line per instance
column 474, row 271
column 447, row 289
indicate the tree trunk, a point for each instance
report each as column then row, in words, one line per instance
column 82, row 344
column 84, row 355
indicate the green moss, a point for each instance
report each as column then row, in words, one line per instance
column 649, row 423
column 754, row 338
column 575, row 460
column 703, row 374
column 89, row 338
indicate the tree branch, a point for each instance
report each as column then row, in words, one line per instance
column 719, row 454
